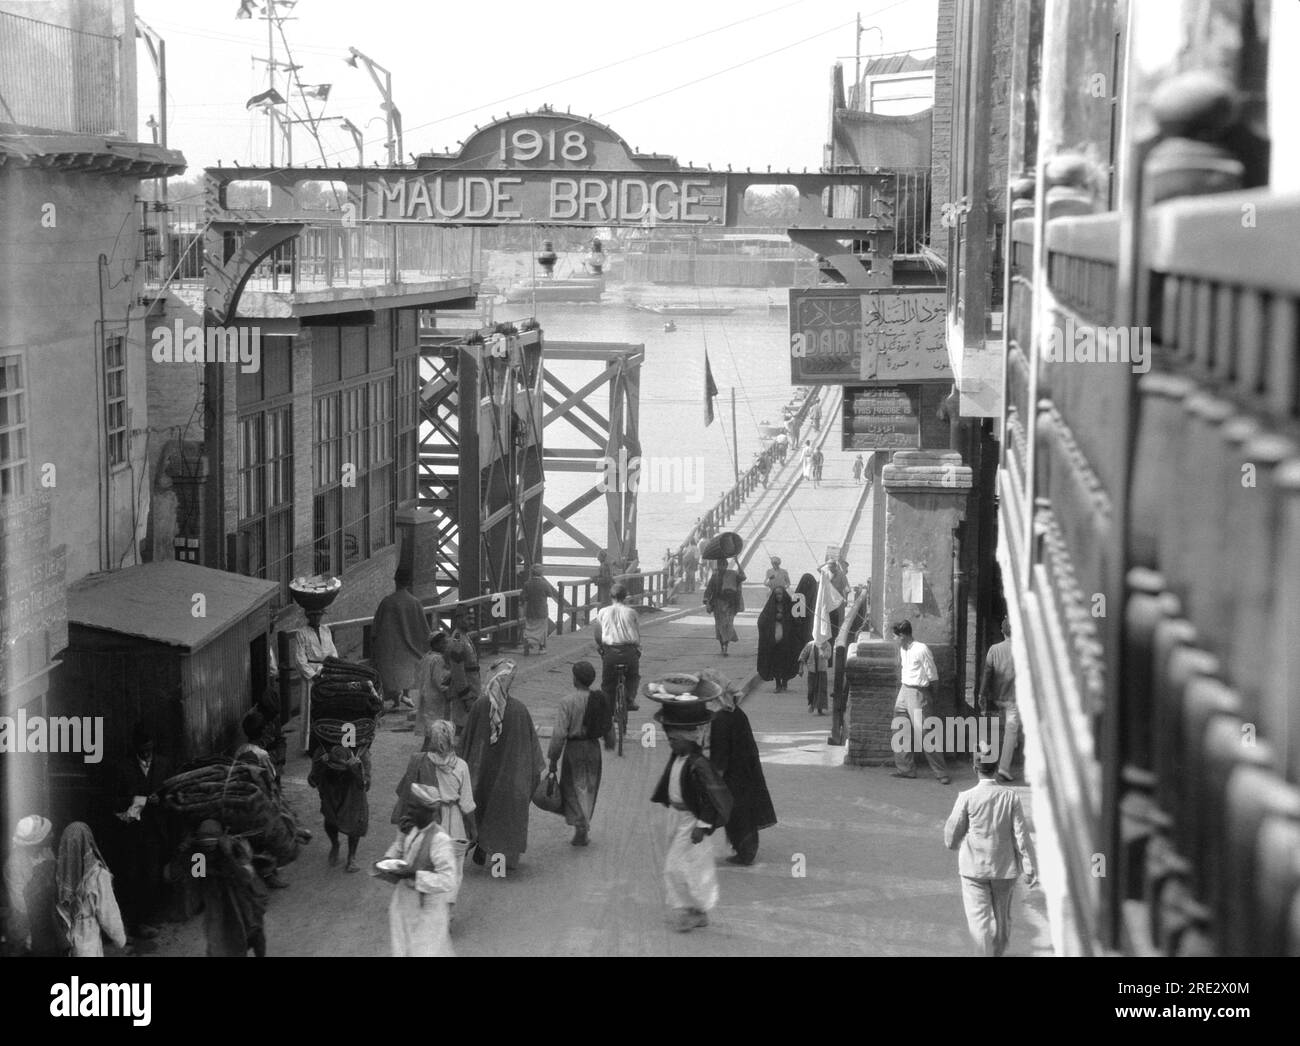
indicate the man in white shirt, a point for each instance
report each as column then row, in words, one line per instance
column 777, row 576
column 987, row 829
column 913, row 705
column 618, row 639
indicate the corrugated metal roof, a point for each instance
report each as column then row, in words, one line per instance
column 880, row 140
column 155, row 601
column 888, row 65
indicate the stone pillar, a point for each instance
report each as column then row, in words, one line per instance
column 925, row 499
column 871, row 678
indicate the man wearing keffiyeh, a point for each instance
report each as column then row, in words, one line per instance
column 505, row 763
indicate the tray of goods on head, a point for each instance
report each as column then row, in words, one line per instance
column 346, row 691
column 241, row 795
column 315, row 593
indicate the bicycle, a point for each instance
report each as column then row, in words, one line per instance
column 620, row 705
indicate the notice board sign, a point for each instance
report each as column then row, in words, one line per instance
column 894, row 417
column 848, row 335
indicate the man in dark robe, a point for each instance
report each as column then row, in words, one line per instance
column 234, row 896
column 734, row 754
column 505, row 764
column 778, row 640
column 339, row 776
column 400, row 635
column 141, row 834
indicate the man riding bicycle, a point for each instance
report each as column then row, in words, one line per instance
column 618, row 638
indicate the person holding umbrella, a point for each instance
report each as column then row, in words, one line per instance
column 724, row 599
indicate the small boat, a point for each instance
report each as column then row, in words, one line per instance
column 691, row 310
column 575, row 289
column 669, row 327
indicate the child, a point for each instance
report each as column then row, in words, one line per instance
column 816, row 656
column 698, row 803
column 417, row 914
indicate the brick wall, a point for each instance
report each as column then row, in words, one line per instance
column 872, row 682
column 941, row 130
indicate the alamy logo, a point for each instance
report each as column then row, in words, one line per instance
column 102, row 1000
column 192, row 343
column 75, row 735
column 1084, row 343
column 651, row 475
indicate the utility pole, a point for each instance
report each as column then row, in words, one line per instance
column 735, row 446
column 857, row 58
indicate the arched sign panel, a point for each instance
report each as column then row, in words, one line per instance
column 552, row 169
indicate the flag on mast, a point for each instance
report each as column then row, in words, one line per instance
column 246, row 9
column 268, row 97
column 710, row 391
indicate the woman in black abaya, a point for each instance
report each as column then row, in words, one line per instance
column 778, row 640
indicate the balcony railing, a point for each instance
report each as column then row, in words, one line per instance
column 57, row 79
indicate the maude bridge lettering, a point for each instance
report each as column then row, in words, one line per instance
column 545, row 196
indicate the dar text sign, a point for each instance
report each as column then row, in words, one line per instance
column 846, row 335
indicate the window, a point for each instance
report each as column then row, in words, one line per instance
column 266, row 495
column 115, row 398
column 353, row 506
column 13, row 427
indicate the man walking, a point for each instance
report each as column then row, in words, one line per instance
column 858, row 466
column 913, row 705
column 400, row 636
column 776, row 576
column 818, row 460
column 998, row 692
column 987, row 829
column 462, row 663
column 690, row 564
column 537, row 616
column 618, row 638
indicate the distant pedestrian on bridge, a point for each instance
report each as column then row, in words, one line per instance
column 690, row 564
column 505, row 762
column 534, row 595
column 604, row 578
column 987, row 829
column 818, row 460
column 617, row 632
column 581, row 723
column 783, row 446
column 806, row 462
column 817, row 415
column 776, row 576
column 858, row 467
column 724, row 599
column 400, row 635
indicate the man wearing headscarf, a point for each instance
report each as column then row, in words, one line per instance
column 505, row 763
column 698, row 803
column 342, row 780
column 400, row 635
column 724, row 599
column 776, row 576
column 418, row 919
column 537, row 616
column 87, row 907
column 446, row 777
column 234, row 896
column 581, row 723
column 30, row 884
column 734, row 754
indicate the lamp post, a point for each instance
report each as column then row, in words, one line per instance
column 355, row 131
column 857, row 54
column 392, row 117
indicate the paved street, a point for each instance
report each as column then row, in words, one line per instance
column 876, row 878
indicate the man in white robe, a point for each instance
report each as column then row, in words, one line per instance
column 417, row 915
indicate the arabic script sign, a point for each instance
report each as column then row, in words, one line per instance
column 844, row 335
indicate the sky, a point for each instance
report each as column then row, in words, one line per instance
column 740, row 82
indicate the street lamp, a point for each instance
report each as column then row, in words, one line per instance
column 857, row 51
column 355, row 131
column 392, row 117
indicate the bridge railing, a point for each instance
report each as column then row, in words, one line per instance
column 756, row 476
column 578, row 599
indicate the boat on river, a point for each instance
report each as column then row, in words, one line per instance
column 688, row 310
column 573, row 289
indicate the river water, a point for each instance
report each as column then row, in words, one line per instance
column 747, row 351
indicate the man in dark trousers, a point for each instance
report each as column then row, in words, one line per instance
column 140, row 838
column 987, row 829
column 998, row 696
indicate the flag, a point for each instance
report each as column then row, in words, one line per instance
column 246, row 9
column 829, row 599
column 321, row 91
column 267, row 97
column 710, row 391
